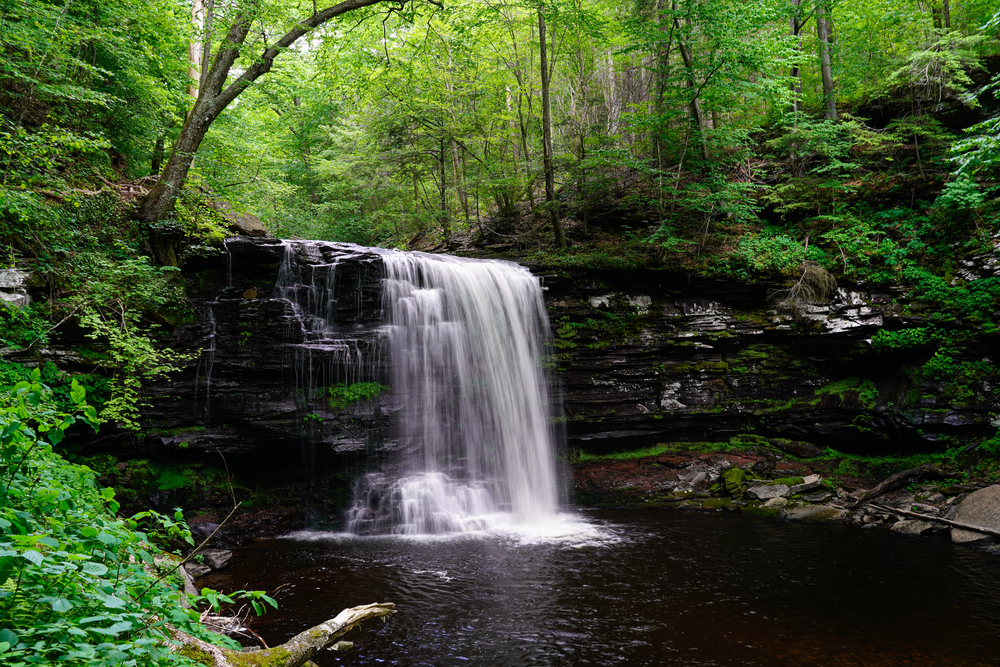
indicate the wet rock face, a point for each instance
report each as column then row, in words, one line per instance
column 647, row 357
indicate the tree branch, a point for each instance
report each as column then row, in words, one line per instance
column 266, row 60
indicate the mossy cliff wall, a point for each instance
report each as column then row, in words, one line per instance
column 641, row 357
column 647, row 357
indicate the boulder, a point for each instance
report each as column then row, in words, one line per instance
column 820, row 497
column 803, row 450
column 913, row 527
column 981, row 508
column 816, row 514
column 243, row 224
column 732, row 482
column 768, row 491
column 217, row 558
column 777, row 502
column 808, row 484
column 197, row 569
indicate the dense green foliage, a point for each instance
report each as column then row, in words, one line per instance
column 77, row 584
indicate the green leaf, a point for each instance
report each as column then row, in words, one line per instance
column 33, row 556
column 49, row 542
column 7, row 635
column 77, row 393
column 112, row 602
column 56, row 436
column 96, row 569
column 61, row 605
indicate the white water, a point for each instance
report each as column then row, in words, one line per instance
column 466, row 340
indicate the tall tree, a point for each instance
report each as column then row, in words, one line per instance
column 218, row 92
column 550, row 179
column 824, row 30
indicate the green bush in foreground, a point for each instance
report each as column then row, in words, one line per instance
column 78, row 585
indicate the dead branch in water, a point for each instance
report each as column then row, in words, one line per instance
column 296, row 652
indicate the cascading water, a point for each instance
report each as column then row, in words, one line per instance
column 467, row 339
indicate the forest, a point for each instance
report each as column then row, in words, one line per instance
column 802, row 144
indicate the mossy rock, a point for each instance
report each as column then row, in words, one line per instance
column 733, row 482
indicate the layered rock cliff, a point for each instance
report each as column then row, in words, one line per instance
column 289, row 374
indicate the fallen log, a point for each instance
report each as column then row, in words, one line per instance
column 294, row 653
column 900, row 479
column 924, row 517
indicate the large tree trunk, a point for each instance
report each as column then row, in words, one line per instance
column 550, row 180
column 824, row 30
column 295, row 652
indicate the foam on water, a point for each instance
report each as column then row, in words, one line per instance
column 563, row 529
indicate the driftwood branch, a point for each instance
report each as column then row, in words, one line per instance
column 924, row 517
column 294, row 653
column 898, row 480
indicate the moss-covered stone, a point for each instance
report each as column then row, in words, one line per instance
column 733, row 482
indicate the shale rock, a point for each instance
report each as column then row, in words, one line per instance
column 768, row 492
column 914, row 527
column 816, row 514
column 808, row 484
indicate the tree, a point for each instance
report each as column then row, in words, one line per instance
column 215, row 95
column 550, row 188
column 824, row 30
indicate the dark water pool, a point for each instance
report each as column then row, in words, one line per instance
column 659, row 588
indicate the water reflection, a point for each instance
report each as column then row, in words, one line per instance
column 663, row 588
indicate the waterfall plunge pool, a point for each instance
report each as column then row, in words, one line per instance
column 637, row 588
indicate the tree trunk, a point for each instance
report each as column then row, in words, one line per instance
column 463, row 198
column 824, row 30
column 158, row 149
column 662, row 79
column 194, row 47
column 445, row 218
column 550, row 181
column 699, row 117
column 295, row 652
column 206, row 48
column 796, row 73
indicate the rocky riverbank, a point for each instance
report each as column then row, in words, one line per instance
column 770, row 485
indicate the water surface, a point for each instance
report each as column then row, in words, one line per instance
column 647, row 588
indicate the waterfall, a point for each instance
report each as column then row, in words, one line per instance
column 467, row 339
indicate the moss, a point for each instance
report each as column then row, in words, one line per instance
column 341, row 396
column 631, row 455
column 853, row 390
column 787, row 481
column 733, row 482
column 197, row 655
column 715, row 503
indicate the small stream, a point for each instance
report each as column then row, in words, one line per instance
column 637, row 588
